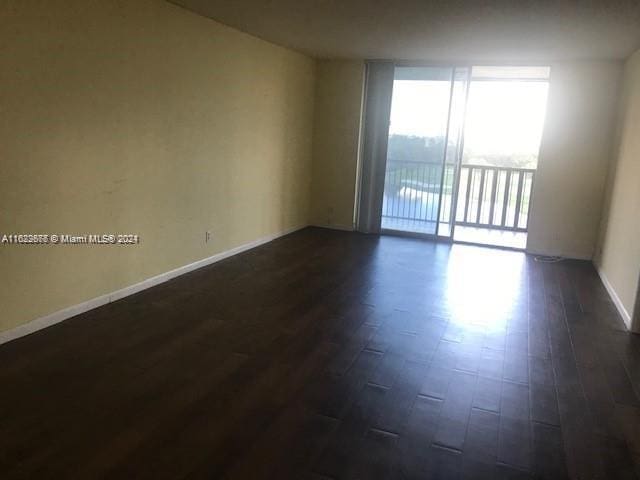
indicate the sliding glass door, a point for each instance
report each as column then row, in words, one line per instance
column 425, row 129
column 457, row 158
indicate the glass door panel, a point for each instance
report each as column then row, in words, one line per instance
column 503, row 128
column 416, row 149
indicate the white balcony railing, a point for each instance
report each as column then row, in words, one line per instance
column 488, row 197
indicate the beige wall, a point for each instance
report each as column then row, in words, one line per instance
column 574, row 157
column 619, row 253
column 336, row 136
column 140, row 117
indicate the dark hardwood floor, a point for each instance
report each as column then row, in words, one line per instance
column 334, row 355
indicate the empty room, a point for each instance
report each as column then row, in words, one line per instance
column 327, row 240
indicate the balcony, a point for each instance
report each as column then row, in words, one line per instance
column 490, row 204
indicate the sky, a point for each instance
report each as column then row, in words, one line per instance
column 503, row 117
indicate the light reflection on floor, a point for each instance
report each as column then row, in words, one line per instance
column 479, row 289
column 485, row 287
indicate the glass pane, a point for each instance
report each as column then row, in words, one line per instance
column 416, row 148
column 504, row 123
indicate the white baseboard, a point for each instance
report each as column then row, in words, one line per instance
column 346, row 228
column 614, row 296
column 66, row 313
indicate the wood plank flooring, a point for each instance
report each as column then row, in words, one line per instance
column 334, row 355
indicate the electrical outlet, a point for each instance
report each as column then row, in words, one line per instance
column 207, row 236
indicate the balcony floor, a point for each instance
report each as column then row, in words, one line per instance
column 409, row 225
column 482, row 236
column 489, row 236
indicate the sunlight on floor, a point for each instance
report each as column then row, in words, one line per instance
column 485, row 287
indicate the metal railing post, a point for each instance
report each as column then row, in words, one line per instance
column 516, row 216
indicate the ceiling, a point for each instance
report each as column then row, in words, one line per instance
column 437, row 30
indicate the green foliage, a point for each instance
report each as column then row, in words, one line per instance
column 404, row 148
column 409, row 148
